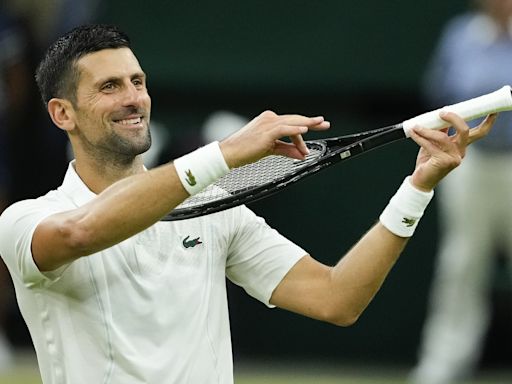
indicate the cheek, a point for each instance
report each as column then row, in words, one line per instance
column 92, row 124
column 92, row 107
column 89, row 118
column 147, row 101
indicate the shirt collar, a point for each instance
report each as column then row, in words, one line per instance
column 75, row 188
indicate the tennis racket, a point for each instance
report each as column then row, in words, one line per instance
column 271, row 174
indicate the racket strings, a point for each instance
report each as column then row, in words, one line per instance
column 267, row 170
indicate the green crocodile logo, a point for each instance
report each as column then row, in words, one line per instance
column 191, row 179
column 191, row 243
column 408, row 222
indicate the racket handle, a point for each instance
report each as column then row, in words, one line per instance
column 497, row 101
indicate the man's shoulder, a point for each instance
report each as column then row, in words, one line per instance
column 52, row 201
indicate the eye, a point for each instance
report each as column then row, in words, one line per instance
column 109, row 86
column 138, row 82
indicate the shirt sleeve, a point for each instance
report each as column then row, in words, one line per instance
column 17, row 226
column 259, row 257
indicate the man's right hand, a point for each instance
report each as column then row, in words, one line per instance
column 261, row 137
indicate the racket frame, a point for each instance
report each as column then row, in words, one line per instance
column 334, row 150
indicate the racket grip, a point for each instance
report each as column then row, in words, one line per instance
column 497, row 101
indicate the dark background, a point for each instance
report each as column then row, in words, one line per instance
column 360, row 65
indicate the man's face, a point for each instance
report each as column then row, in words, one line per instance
column 112, row 105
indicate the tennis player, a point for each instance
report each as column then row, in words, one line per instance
column 111, row 294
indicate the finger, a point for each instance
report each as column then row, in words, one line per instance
column 483, row 129
column 436, row 137
column 322, row 126
column 283, row 130
column 301, row 120
column 430, row 144
column 287, row 149
column 461, row 128
column 461, row 137
column 451, row 117
column 298, row 141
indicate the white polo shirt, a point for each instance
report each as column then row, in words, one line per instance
column 151, row 309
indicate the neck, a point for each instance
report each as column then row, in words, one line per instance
column 99, row 175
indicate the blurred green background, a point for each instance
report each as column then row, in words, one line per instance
column 359, row 64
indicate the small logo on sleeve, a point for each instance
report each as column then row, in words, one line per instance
column 190, row 179
column 408, row 222
column 191, row 243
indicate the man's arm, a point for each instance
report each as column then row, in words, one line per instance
column 137, row 202
column 120, row 211
column 340, row 294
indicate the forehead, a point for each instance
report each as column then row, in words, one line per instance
column 118, row 62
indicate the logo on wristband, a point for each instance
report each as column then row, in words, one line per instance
column 408, row 222
column 190, row 179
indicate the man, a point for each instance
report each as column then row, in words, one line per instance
column 112, row 295
column 460, row 306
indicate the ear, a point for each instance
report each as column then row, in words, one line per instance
column 62, row 113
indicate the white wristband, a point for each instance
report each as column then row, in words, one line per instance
column 405, row 209
column 200, row 168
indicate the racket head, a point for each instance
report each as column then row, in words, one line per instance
column 250, row 182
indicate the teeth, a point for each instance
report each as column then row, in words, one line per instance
column 130, row 121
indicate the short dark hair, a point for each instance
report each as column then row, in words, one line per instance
column 57, row 74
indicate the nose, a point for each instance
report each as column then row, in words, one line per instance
column 133, row 96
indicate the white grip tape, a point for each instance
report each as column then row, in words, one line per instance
column 497, row 101
column 405, row 209
column 200, row 168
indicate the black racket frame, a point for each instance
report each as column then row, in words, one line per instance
column 334, row 150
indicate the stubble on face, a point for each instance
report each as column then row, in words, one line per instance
column 115, row 147
column 112, row 124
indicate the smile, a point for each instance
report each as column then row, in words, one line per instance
column 130, row 122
